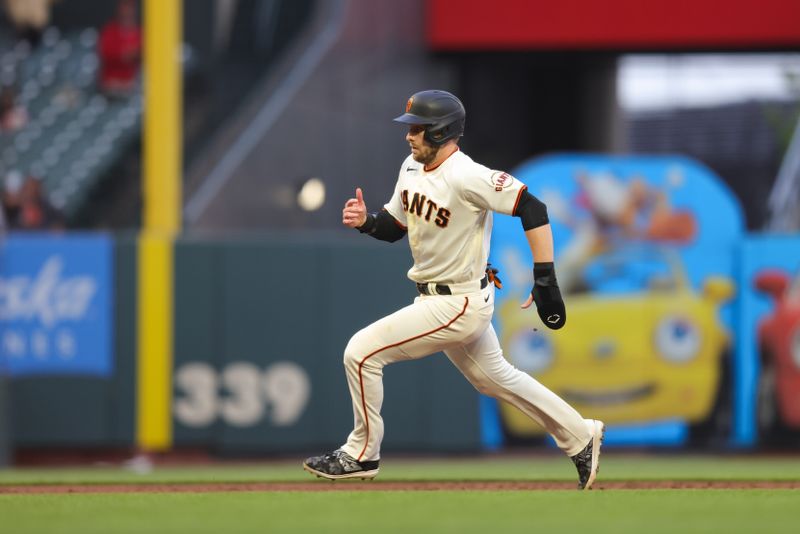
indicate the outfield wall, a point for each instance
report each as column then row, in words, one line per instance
column 260, row 326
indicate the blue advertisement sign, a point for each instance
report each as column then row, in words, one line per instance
column 645, row 254
column 56, row 305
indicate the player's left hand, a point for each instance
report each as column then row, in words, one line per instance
column 547, row 296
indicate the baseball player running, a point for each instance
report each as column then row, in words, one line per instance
column 444, row 202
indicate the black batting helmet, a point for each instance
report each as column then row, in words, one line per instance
column 440, row 112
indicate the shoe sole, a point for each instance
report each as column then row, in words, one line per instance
column 597, row 442
column 363, row 475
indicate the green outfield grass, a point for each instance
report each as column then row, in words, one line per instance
column 416, row 511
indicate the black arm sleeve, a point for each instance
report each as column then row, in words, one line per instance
column 547, row 296
column 532, row 211
column 383, row 226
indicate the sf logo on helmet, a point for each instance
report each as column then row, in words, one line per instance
column 408, row 104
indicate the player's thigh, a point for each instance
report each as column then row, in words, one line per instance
column 481, row 361
column 424, row 327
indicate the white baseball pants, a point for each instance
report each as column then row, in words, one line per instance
column 460, row 325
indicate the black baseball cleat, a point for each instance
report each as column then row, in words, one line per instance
column 588, row 460
column 338, row 464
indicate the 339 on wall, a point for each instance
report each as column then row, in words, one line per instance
column 241, row 394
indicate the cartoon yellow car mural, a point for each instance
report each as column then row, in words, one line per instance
column 642, row 346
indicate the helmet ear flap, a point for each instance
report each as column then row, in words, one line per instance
column 435, row 137
column 439, row 136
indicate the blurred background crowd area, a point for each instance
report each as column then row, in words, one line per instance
column 71, row 102
column 287, row 104
column 663, row 136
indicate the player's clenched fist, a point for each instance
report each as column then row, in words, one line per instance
column 354, row 213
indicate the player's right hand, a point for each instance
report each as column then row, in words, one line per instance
column 547, row 296
column 354, row 213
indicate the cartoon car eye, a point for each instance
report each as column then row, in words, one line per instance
column 677, row 339
column 796, row 348
column 530, row 351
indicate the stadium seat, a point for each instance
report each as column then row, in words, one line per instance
column 74, row 134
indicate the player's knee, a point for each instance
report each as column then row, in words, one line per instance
column 484, row 387
column 355, row 350
column 350, row 356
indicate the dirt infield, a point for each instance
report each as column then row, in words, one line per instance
column 392, row 486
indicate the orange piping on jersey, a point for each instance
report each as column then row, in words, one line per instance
column 519, row 197
column 370, row 355
column 426, row 169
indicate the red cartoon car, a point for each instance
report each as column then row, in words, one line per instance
column 779, row 342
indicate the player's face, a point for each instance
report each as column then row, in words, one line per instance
column 421, row 150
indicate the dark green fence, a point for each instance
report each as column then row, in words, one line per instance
column 260, row 327
column 260, row 330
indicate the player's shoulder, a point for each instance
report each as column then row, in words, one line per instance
column 463, row 161
column 464, row 167
column 469, row 170
column 480, row 179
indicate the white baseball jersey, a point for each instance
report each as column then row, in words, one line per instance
column 448, row 214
